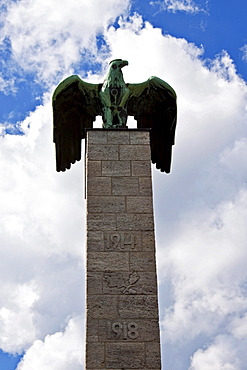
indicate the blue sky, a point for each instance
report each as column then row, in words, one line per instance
column 200, row 48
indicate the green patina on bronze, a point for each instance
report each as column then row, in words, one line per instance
column 76, row 104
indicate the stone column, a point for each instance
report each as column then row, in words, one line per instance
column 122, row 330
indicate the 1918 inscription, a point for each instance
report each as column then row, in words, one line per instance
column 122, row 330
column 122, row 241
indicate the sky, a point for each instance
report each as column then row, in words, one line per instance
column 200, row 48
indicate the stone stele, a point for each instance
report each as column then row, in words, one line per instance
column 122, row 329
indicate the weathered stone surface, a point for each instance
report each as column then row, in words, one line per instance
column 94, row 137
column 103, row 261
column 153, row 356
column 145, row 186
column 139, row 204
column 139, row 137
column 102, row 152
column 125, row 186
column 116, row 168
column 105, row 204
column 99, row 186
column 140, row 168
column 142, row 261
column 135, row 221
column 123, row 241
column 124, row 355
column 102, row 306
column 92, row 330
column 135, row 152
column 95, row 355
column 148, row 242
column 95, row 241
column 96, row 221
column 118, row 137
column 94, row 282
column 133, row 306
column 93, row 169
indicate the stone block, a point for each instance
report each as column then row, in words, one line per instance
column 92, row 332
column 96, row 137
column 102, row 306
column 94, row 282
column 145, row 186
column 135, row 222
column 118, row 137
column 95, row 241
column 95, row 355
column 139, row 137
column 105, row 261
column 97, row 222
column 139, row 204
column 98, row 186
column 148, row 241
column 136, row 152
column 105, row 204
column 125, row 186
column 145, row 306
column 123, row 355
column 102, row 152
column 153, row 355
column 142, row 261
column 94, row 168
column 133, row 330
column 123, row 241
column 129, row 282
column 141, row 168
column 116, row 168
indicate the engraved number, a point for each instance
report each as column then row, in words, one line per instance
column 115, row 240
column 117, row 328
column 121, row 241
column 133, row 330
column 123, row 330
column 129, row 239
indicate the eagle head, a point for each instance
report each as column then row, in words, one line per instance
column 118, row 63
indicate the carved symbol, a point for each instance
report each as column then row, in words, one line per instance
column 116, row 280
column 122, row 330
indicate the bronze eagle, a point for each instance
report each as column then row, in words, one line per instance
column 76, row 104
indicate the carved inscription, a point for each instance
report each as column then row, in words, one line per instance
column 122, row 241
column 116, row 280
column 122, row 330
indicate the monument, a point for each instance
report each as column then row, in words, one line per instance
column 122, row 321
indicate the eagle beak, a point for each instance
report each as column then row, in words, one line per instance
column 124, row 63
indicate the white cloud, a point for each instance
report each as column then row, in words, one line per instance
column 174, row 6
column 60, row 351
column 244, row 51
column 48, row 37
column 226, row 353
column 16, row 316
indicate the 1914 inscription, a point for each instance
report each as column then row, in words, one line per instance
column 122, row 241
column 122, row 330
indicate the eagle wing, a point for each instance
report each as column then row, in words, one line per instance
column 153, row 105
column 76, row 104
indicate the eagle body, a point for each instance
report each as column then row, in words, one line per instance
column 76, row 104
column 113, row 96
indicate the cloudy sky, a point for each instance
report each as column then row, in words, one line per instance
column 200, row 48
